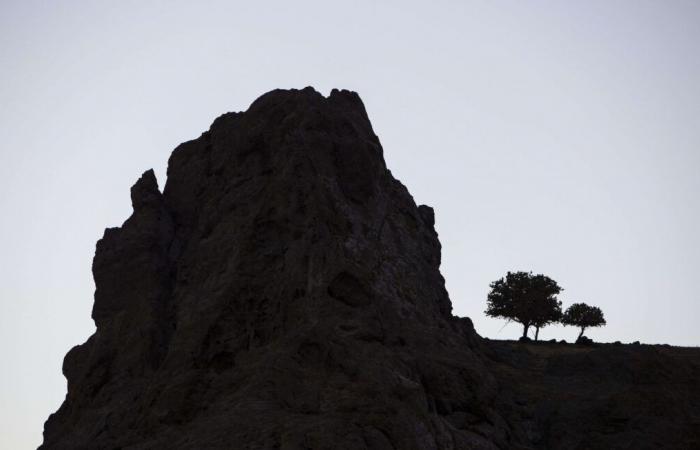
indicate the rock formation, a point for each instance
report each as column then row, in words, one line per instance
column 600, row 396
column 282, row 292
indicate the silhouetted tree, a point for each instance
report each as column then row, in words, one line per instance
column 548, row 308
column 525, row 298
column 584, row 316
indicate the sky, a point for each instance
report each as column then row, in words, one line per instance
column 558, row 137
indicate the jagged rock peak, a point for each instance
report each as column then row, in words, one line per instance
column 145, row 191
column 282, row 292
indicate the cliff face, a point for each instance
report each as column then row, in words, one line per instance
column 282, row 292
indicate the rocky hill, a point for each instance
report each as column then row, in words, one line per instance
column 604, row 396
column 283, row 292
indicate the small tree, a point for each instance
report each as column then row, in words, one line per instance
column 584, row 316
column 525, row 298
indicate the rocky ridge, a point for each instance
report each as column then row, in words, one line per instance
column 282, row 292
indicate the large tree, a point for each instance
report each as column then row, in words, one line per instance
column 528, row 299
column 583, row 316
column 546, row 305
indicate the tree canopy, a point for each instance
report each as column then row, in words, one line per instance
column 525, row 298
column 583, row 316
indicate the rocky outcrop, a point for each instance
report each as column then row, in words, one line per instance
column 284, row 292
column 599, row 396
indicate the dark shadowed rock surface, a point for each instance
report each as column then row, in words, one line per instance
column 600, row 396
column 283, row 292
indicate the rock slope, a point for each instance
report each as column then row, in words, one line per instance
column 604, row 396
column 282, row 292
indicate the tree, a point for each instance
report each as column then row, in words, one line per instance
column 525, row 298
column 547, row 307
column 584, row 316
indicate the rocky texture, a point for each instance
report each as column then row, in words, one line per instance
column 600, row 396
column 283, row 292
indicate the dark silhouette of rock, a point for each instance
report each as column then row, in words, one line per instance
column 605, row 396
column 283, row 292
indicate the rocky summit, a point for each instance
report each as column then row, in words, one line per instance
column 283, row 292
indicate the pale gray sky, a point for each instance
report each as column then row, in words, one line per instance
column 560, row 137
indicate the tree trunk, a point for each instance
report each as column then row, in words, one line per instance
column 525, row 328
column 537, row 333
column 581, row 333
